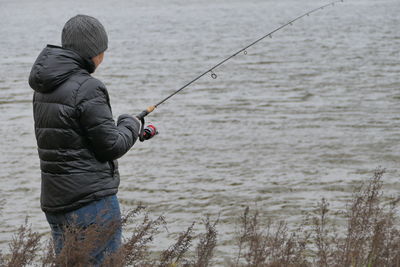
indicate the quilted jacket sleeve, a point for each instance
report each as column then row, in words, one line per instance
column 108, row 140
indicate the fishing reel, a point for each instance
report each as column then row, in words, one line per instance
column 150, row 130
column 147, row 132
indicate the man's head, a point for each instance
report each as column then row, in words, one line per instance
column 86, row 36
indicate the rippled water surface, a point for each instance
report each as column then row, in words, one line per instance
column 306, row 114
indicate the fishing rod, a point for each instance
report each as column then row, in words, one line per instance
column 150, row 109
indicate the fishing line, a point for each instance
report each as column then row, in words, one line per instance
column 243, row 50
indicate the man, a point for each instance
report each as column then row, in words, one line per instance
column 78, row 140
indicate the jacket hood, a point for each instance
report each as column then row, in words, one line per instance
column 54, row 66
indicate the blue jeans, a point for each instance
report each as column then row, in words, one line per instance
column 101, row 212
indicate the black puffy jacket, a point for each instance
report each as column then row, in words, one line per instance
column 78, row 140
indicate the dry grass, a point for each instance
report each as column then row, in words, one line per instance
column 206, row 245
column 23, row 248
column 270, row 245
column 371, row 238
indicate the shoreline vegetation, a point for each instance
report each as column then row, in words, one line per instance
column 369, row 237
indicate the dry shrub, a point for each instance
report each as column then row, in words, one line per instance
column 324, row 235
column 48, row 258
column 23, row 247
column 79, row 243
column 175, row 253
column 207, row 244
column 134, row 251
column 371, row 238
column 270, row 245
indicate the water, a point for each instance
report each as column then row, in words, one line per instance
column 306, row 114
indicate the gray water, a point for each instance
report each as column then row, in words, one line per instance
column 307, row 114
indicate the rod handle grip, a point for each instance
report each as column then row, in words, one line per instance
column 146, row 112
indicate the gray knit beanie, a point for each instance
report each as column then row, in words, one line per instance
column 85, row 35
